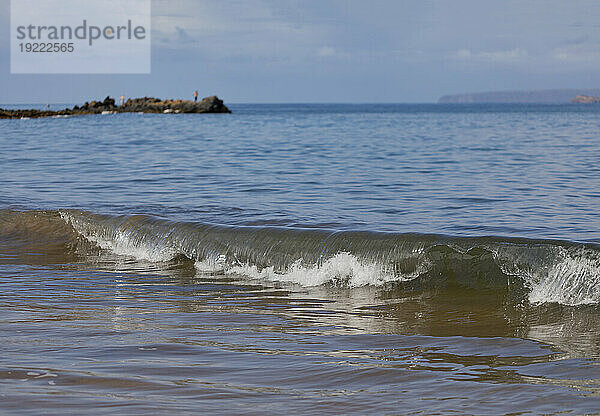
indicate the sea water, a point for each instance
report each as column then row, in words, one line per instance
column 306, row 258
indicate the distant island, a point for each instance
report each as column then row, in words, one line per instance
column 562, row 96
column 585, row 99
column 210, row 104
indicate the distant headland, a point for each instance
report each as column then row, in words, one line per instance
column 210, row 104
column 558, row 96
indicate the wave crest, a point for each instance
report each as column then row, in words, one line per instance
column 548, row 271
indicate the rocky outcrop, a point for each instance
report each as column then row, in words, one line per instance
column 585, row 99
column 96, row 106
column 210, row 104
column 33, row 113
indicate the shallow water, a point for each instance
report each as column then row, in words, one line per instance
column 341, row 259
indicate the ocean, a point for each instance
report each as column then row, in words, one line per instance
column 302, row 259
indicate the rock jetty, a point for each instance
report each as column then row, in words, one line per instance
column 210, row 104
column 585, row 99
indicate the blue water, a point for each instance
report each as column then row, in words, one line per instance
column 302, row 258
column 527, row 171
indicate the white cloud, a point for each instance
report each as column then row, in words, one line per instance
column 325, row 51
column 502, row 56
column 577, row 54
column 463, row 54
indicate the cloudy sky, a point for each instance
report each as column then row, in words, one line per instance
column 342, row 51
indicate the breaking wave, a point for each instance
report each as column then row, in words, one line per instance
column 539, row 271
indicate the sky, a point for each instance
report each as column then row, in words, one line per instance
column 341, row 51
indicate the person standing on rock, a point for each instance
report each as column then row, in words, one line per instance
column 122, row 100
column 196, row 96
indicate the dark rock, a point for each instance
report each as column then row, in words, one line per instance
column 109, row 102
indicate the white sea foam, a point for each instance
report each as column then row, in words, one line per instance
column 121, row 243
column 573, row 281
column 343, row 269
column 218, row 265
